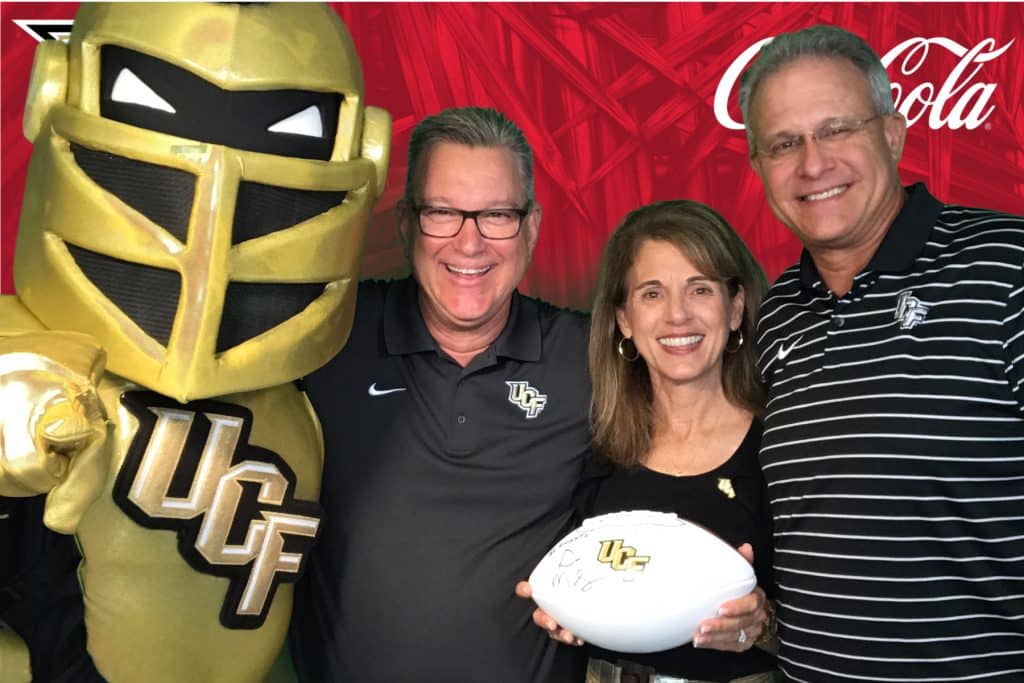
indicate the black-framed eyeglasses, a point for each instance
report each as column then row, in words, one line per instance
column 829, row 134
column 493, row 224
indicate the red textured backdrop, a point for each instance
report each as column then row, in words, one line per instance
column 617, row 100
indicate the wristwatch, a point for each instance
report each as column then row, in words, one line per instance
column 768, row 639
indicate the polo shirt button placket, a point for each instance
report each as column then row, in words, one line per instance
column 461, row 436
column 839, row 307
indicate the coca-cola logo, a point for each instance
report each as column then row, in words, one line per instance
column 958, row 102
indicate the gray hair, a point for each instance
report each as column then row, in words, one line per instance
column 816, row 41
column 472, row 126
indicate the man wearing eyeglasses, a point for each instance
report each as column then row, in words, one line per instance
column 455, row 428
column 894, row 359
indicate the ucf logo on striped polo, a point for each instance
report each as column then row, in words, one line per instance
column 190, row 468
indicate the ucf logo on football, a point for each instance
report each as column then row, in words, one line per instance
column 620, row 557
column 191, row 469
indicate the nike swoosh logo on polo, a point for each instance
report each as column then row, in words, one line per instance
column 374, row 391
column 783, row 351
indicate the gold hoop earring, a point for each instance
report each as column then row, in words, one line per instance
column 622, row 351
column 739, row 342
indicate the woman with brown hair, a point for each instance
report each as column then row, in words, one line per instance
column 676, row 413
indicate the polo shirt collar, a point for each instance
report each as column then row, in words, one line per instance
column 521, row 337
column 404, row 329
column 903, row 242
column 406, row 333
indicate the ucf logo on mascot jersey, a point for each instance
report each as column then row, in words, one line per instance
column 189, row 244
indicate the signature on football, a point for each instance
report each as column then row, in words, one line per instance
column 571, row 576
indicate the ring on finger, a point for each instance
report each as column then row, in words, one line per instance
column 742, row 637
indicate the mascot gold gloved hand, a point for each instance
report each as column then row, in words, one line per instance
column 196, row 203
column 53, row 426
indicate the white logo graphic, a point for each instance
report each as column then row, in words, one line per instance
column 910, row 310
column 526, row 397
column 374, row 391
column 46, row 29
column 784, row 351
column 956, row 102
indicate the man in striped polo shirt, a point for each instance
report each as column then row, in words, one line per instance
column 894, row 358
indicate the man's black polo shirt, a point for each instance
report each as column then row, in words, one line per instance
column 443, row 486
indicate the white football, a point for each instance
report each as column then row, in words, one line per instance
column 638, row 581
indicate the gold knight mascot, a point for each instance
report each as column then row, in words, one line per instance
column 198, row 196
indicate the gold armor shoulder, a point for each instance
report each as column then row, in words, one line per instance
column 75, row 354
column 15, row 318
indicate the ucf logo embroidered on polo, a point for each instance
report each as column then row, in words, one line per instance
column 910, row 310
column 529, row 400
column 190, row 468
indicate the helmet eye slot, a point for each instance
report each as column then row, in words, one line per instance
column 252, row 120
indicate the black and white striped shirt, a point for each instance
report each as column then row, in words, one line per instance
column 894, row 455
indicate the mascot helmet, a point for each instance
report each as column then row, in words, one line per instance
column 200, row 188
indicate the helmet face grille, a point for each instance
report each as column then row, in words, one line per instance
column 263, row 209
column 251, row 309
column 147, row 295
column 163, row 195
